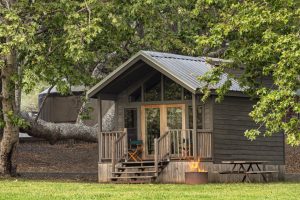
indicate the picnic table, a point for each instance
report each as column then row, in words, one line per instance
column 246, row 168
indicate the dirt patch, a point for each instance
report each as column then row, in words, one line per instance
column 79, row 161
column 292, row 159
column 59, row 161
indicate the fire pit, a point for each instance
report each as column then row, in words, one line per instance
column 196, row 178
column 196, row 174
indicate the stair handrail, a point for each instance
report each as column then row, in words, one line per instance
column 119, row 149
column 162, row 149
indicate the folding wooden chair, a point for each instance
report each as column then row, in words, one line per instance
column 135, row 150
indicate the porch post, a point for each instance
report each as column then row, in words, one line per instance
column 194, row 106
column 99, row 105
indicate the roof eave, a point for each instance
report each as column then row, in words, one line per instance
column 138, row 56
column 156, row 65
column 95, row 89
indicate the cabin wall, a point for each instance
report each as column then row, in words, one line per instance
column 208, row 114
column 230, row 121
column 61, row 109
column 65, row 109
column 121, row 104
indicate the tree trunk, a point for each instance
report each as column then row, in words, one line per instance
column 54, row 132
column 10, row 137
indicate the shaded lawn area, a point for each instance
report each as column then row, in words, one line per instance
column 27, row 189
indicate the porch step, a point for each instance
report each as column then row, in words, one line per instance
column 136, row 167
column 142, row 163
column 135, row 180
column 134, row 172
column 137, row 172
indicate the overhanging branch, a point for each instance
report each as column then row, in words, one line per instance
column 43, row 103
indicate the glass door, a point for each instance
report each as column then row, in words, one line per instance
column 152, row 123
column 156, row 119
column 174, row 117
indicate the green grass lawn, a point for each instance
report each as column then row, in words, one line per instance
column 26, row 189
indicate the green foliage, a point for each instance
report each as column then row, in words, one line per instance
column 29, row 100
column 61, row 42
column 262, row 37
column 16, row 120
column 85, row 113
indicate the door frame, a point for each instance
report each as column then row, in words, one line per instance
column 163, row 122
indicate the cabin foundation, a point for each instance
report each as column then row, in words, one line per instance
column 175, row 173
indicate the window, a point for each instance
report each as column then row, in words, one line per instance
column 130, row 118
column 199, row 117
column 152, row 88
column 172, row 91
column 136, row 96
column 187, row 95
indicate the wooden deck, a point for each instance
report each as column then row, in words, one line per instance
column 174, row 144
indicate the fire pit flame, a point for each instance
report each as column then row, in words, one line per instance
column 195, row 166
column 196, row 175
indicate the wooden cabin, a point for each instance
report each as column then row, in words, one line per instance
column 59, row 108
column 158, row 102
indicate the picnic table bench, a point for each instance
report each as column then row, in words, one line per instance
column 240, row 167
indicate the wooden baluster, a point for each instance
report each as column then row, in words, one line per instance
column 207, row 144
column 156, row 156
column 182, row 143
column 126, row 144
column 118, row 148
column 183, row 149
column 99, row 146
column 201, row 145
column 210, row 145
column 186, row 143
column 113, row 159
column 169, row 145
column 178, row 142
column 189, row 140
column 105, row 145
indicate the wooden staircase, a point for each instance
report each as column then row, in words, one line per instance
column 137, row 172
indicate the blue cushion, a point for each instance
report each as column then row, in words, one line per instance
column 136, row 142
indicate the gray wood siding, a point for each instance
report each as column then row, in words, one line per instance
column 207, row 109
column 230, row 120
column 121, row 101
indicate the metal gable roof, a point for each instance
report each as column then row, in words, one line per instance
column 188, row 69
column 182, row 69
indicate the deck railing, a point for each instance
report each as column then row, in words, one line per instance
column 105, row 140
column 204, row 144
column 161, row 149
column 119, row 149
column 179, row 144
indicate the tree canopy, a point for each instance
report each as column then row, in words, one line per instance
column 71, row 42
column 262, row 39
